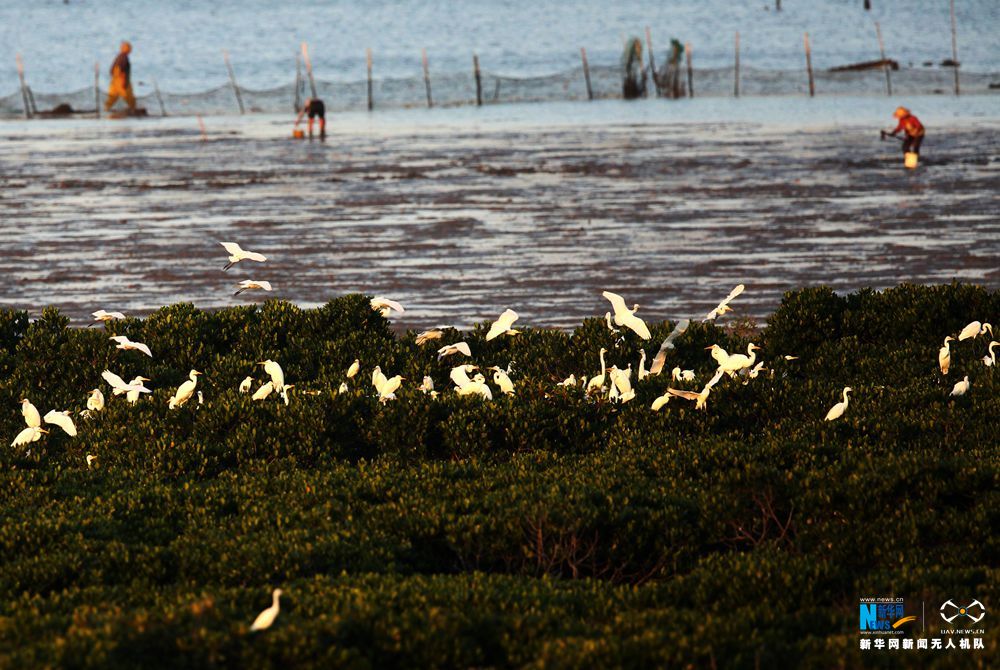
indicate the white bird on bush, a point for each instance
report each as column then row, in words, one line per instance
column 388, row 389
column 184, row 391
column 597, row 381
column 974, row 329
column 273, row 370
column 253, row 285
column 343, row 388
column 961, row 387
column 378, row 379
column 661, row 401
column 267, row 617
column 95, row 401
column 569, row 381
column 838, row 410
column 237, row 254
column 701, row 398
column 720, row 355
column 621, row 379
column 384, row 306
column 502, row 380
column 477, row 385
column 661, row 356
column 427, row 385
column 723, row 306
column 682, row 375
column 451, row 349
column 246, row 384
column 502, row 326
column 135, row 386
column 90, row 459
column 460, row 375
column 428, row 335
column 264, row 391
column 736, row 362
column 62, row 420
column 643, row 373
column 991, row 358
column 944, row 356
column 30, row 413
column 284, row 393
column 28, row 435
column 129, row 345
column 354, row 367
column 100, row 315
column 119, row 386
column 626, row 317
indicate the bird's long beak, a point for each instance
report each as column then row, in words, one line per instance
column 42, row 430
column 711, row 347
column 193, row 372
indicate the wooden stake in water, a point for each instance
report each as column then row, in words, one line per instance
column 427, row 78
column 652, row 62
column 687, row 57
column 371, row 101
column 809, row 66
column 298, row 82
column 954, row 45
column 24, row 87
column 885, row 65
column 479, row 80
column 97, row 90
column 232, row 81
column 159, row 98
column 204, row 133
column 309, row 69
column 586, row 72
column 736, row 80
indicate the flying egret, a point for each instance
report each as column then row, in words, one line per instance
column 460, row 375
column 643, row 373
column 30, row 413
column 119, row 386
column 597, row 381
column 502, row 380
column 838, row 410
column 569, row 381
column 991, row 358
column 661, row 401
column 791, row 358
column 682, row 375
column 661, row 356
column 267, row 617
column 129, row 345
column 90, row 459
column 28, row 435
column 136, row 386
column 384, row 306
column 274, row 371
column 184, row 391
column 944, row 355
column 100, row 315
column 974, row 329
column 736, row 362
column 607, row 320
column 253, row 285
column 353, row 369
column 626, row 317
column 264, row 391
column 236, row 254
column 502, row 326
column 723, row 306
column 961, row 387
column 95, row 401
column 701, row 398
column 246, row 384
column 428, row 335
column 62, row 420
column 457, row 348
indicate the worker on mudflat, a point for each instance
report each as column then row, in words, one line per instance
column 314, row 107
column 121, row 80
column 913, row 129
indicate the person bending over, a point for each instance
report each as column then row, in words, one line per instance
column 913, row 129
column 314, row 107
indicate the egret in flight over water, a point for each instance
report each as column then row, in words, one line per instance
column 253, row 285
column 100, row 315
column 723, row 306
column 384, row 306
column 626, row 317
column 451, row 349
column 502, row 326
column 236, row 254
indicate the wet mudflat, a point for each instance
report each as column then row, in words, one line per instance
column 460, row 223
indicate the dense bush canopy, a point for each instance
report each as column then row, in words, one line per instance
column 549, row 528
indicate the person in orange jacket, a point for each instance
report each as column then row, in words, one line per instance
column 912, row 127
column 121, row 80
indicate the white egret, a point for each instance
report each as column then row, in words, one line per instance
column 661, row 401
column 502, row 326
column 267, row 617
column 378, row 379
column 502, row 380
column 838, row 410
column 427, row 385
column 184, row 391
column 791, row 358
column 119, row 386
column 95, row 401
column 388, row 389
column 477, row 385
column 974, row 329
column 428, row 335
column 274, row 371
column 736, row 362
column 961, row 387
column 246, row 384
column 30, row 413
column 944, row 355
column 384, row 306
column 237, row 254
column 253, row 285
column 620, row 379
column 136, row 386
column 598, row 380
column 643, row 373
column 569, row 381
column 607, row 320
column 682, row 375
column 63, row 420
column 451, row 349
column 129, row 345
column 991, row 358
column 661, row 356
column 284, row 393
column 701, row 398
column 201, row 399
column 28, row 435
column 626, row 317
column 343, row 387
column 354, row 367
column 90, row 459
column 720, row 355
column 264, row 391
column 460, row 375
column 100, row 315
column 723, row 306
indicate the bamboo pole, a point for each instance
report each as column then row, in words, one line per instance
column 687, row 57
column 24, row 87
column 885, row 65
column 427, row 78
column 159, row 98
column 586, row 72
column 736, row 79
column 652, row 62
column 309, row 69
column 97, row 90
column 954, row 45
column 232, row 81
column 479, row 80
column 368, row 59
column 31, row 99
column 809, row 66
column 298, row 82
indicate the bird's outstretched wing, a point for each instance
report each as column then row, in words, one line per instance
column 116, row 382
column 661, row 356
column 617, row 302
column 231, row 247
column 502, row 324
column 687, row 395
column 723, row 306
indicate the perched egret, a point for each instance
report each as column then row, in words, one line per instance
column 264, row 391
column 620, row 379
column 246, row 384
column 274, row 371
column 682, row 375
column 661, row 401
column 184, row 391
column 991, row 358
column 477, row 385
column 201, row 399
column 569, row 381
column 119, row 386
column 384, row 306
column 502, row 380
column 90, row 459
column 388, row 389
column 460, row 375
column 701, row 398
column 353, row 369
column 127, row 345
column 974, row 329
column 661, row 356
column 723, row 306
column 284, row 393
column 236, row 254
column 736, row 362
column 28, row 435
column 451, row 349
column 267, row 617
column 30, row 413
column 342, row 388
column 626, row 317
column 428, row 335
column 62, row 420
column 95, row 401
column 502, row 326
column 427, row 385
column 378, row 379
column 597, row 381
column 136, row 386
column 754, row 371
column 791, row 358
column 100, row 315
column 253, row 285
column 720, row 355
column 643, row 373
column 961, row 387
column 838, row 410
column 944, row 356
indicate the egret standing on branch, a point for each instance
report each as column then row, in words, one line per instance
column 991, row 358
column 30, row 413
column 944, row 356
column 236, row 254
column 626, row 317
column 975, row 329
column 274, row 371
column 267, row 617
column 184, row 391
column 961, row 388
column 838, row 410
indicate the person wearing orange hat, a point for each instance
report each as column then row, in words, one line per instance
column 912, row 127
column 121, row 80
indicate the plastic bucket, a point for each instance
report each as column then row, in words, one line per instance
column 300, row 134
column 910, row 159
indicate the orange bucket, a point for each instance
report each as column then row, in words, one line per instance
column 910, row 160
column 298, row 134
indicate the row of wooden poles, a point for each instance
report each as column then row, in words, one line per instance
column 30, row 108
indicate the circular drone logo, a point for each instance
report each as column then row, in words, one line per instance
column 974, row 610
